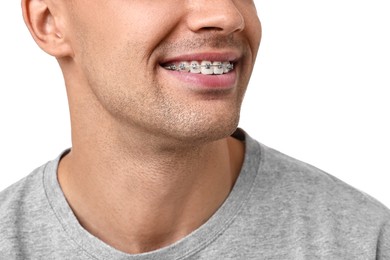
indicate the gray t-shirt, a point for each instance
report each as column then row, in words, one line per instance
column 279, row 208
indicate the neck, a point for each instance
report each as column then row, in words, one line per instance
column 149, row 195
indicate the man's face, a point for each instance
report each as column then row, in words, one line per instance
column 122, row 48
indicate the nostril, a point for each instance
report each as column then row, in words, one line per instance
column 212, row 28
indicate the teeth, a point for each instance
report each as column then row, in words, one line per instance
column 227, row 67
column 184, row 66
column 205, row 67
column 218, row 68
column 194, row 67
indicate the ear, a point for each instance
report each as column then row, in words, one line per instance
column 44, row 28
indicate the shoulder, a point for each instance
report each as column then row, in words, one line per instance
column 302, row 179
column 296, row 201
column 301, row 190
column 21, row 193
column 20, row 204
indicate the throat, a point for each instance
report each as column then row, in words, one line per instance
column 141, row 209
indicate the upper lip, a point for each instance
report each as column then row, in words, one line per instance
column 206, row 56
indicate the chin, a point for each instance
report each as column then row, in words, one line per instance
column 207, row 132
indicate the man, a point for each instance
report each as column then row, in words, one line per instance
column 158, row 168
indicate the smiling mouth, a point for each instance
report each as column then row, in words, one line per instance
column 201, row 67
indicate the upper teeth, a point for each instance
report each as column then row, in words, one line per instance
column 205, row 67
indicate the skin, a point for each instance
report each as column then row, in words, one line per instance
column 155, row 151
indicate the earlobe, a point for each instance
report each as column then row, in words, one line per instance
column 44, row 28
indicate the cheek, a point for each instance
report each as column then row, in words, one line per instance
column 142, row 24
column 252, row 24
column 130, row 33
column 256, row 32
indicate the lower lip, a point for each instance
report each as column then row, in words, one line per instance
column 204, row 82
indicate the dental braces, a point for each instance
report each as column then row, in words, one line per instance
column 183, row 67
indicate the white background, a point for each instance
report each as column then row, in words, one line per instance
column 319, row 91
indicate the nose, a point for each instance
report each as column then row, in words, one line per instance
column 217, row 15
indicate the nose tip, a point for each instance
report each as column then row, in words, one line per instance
column 221, row 15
